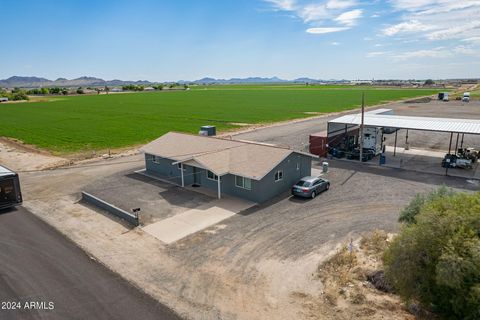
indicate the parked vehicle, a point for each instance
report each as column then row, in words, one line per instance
column 367, row 154
column 466, row 97
column 310, row 187
column 10, row 194
column 453, row 161
column 443, row 96
column 468, row 153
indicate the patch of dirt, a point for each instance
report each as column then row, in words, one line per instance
column 240, row 124
column 22, row 157
column 347, row 294
column 420, row 100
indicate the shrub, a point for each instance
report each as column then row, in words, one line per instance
column 436, row 259
column 410, row 212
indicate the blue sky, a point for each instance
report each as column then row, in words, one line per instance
column 187, row 40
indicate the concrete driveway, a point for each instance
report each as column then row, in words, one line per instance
column 193, row 220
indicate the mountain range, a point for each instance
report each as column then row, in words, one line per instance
column 36, row 82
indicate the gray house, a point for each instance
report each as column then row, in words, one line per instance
column 249, row 170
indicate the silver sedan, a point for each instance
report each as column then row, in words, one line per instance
column 310, row 187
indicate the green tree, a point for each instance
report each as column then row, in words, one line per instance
column 80, row 90
column 436, row 259
column 107, row 89
column 18, row 95
column 55, row 90
column 429, row 82
column 409, row 213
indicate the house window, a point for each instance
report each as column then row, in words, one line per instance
column 278, row 175
column 155, row 159
column 179, row 165
column 298, row 166
column 211, row 175
column 244, row 183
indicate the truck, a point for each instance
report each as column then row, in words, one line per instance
column 466, row 97
column 372, row 139
column 443, row 96
column 10, row 193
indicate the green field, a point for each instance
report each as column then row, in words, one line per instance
column 98, row 122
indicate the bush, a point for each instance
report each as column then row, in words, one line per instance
column 436, row 259
column 19, row 95
column 410, row 212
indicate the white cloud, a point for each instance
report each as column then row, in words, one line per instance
column 286, row 5
column 455, row 32
column 375, row 15
column 405, row 27
column 335, row 43
column 432, row 53
column 436, row 19
column 313, row 12
column 341, row 4
column 317, row 14
column 326, row 30
column 349, row 18
column 375, row 54
column 472, row 40
column 439, row 52
column 467, row 50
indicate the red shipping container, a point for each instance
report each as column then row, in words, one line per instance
column 318, row 143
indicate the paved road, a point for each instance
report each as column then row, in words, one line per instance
column 38, row 264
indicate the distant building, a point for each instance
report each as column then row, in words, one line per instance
column 116, row 90
column 3, row 99
column 149, row 89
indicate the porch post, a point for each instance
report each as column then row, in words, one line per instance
column 449, row 150
column 395, row 145
column 219, row 188
column 181, row 172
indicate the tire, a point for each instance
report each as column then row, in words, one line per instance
column 328, row 186
column 313, row 195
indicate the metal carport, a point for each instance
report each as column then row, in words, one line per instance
column 445, row 125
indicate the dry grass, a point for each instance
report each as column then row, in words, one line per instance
column 374, row 243
column 346, row 293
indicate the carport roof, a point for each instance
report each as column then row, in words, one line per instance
column 221, row 156
column 467, row 126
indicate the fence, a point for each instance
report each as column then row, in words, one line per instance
column 131, row 218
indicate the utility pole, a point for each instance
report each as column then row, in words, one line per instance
column 361, row 126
